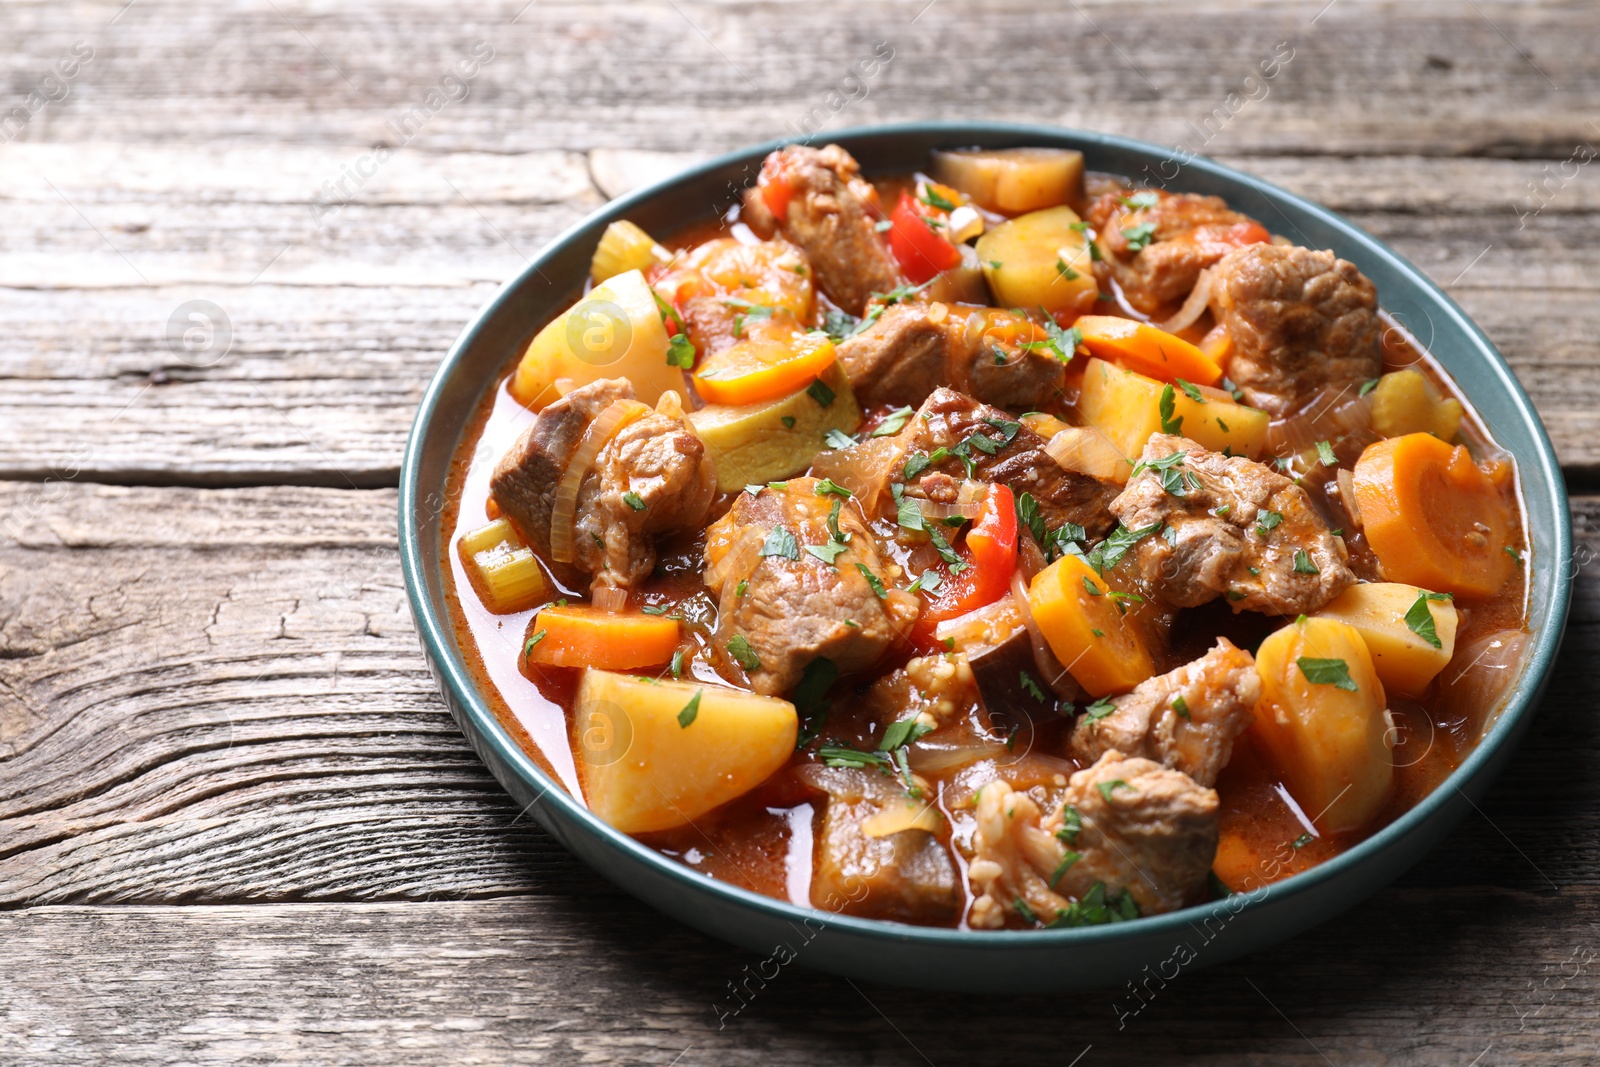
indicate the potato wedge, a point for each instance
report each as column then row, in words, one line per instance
column 1126, row 407
column 1321, row 721
column 1405, row 402
column 1013, row 181
column 614, row 332
column 1039, row 260
column 659, row 754
column 1406, row 661
column 779, row 438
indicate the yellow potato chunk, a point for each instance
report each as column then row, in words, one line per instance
column 1013, row 180
column 1406, row 660
column 1405, row 402
column 1126, row 407
column 659, row 754
column 1322, row 721
column 1039, row 260
column 624, row 247
column 614, row 332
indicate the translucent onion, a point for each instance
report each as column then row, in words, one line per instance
column 609, row 598
column 1335, row 415
column 563, row 514
column 1088, row 451
column 967, row 505
column 864, row 469
column 740, row 558
column 1347, row 497
column 1043, row 656
column 1195, row 306
column 902, row 814
column 1472, row 689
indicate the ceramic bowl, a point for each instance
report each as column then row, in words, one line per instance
column 894, row 953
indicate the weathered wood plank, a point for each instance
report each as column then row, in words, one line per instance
column 215, row 695
column 1508, row 79
column 1411, row 977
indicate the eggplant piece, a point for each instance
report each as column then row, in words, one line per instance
column 1013, row 689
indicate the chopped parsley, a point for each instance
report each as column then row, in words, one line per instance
column 1008, row 428
column 1071, row 825
column 1191, row 390
column 1303, row 564
column 1139, row 236
column 754, row 488
column 527, row 649
column 1301, row 842
column 928, row 583
column 1325, row 453
column 1090, row 588
column 894, row 423
column 1108, row 553
column 833, row 523
column 818, row 390
column 1140, row 200
column 677, row 664
column 690, row 710
column 839, row 756
column 1107, row 788
column 1169, row 401
column 1098, row 908
column 1267, row 520
column 1099, row 709
column 1419, row 617
column 873, row 580
column 1030, row 686
column 780, row 542
column 1121, row 600
column 746, row 656
column 932, row 198
column 829, row 552
column 747, row 312
column 811, row 698
column 827, row 486
column 1023, row 910
column 1181, row 706
column 680, row 352
column 909, row 516
column 669, row 314
column 841, row 325
column 902, row 733
column 634, row 500
column 1066, row 272
column 984, row 443
column 837, row 438
column 1367, row 386
column 653, row 609
column 787, row 420
column 1514, row 554
column 946, row 553
column 739, row 590
column 1067, row 860
column 1334, row 672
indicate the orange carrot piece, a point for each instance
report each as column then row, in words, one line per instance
column 1433, row 518
column 578, row 635
column 1085, row 628
column 1141, row 347
column 764, row 367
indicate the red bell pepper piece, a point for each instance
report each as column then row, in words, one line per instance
column 989, row 555
column 918, row 247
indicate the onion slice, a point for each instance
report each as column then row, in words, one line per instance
column 1199, row 299
column 1086, row 450
column 564, row 512
column 863, row 469
column 610, row 598
column 1335, row 415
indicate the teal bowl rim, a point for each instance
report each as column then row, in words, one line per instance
column 437, row 633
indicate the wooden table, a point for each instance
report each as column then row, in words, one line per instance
column 237, row 824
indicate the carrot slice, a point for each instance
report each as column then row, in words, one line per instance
column 1085, row 628
column 1433, row 517
column 577, row 635
column 1141, row 347
column 764, row 367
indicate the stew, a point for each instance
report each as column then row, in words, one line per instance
column 1000, row 546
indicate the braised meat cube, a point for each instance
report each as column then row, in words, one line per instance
column 1186, row 719
column 1009, row 454
column 1155, row 244
column 913, row 349
column 878, row 854
column 830, row 212
column 1229, row 527
column 650, row 478
column 1126, row 828
column 1302, row 323
column 783, row 605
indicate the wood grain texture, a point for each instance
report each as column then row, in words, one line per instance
column 1411, row 977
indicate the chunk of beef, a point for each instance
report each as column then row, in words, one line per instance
column 876, row 854
column 949, row 420
column 1232, row 528
column 793, row 609
column 1137, row 828
column 1186, row 719
column 832, row 217
column 1190, row 233
column 657, row 458
column 914, row 348
column 1302, row 322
